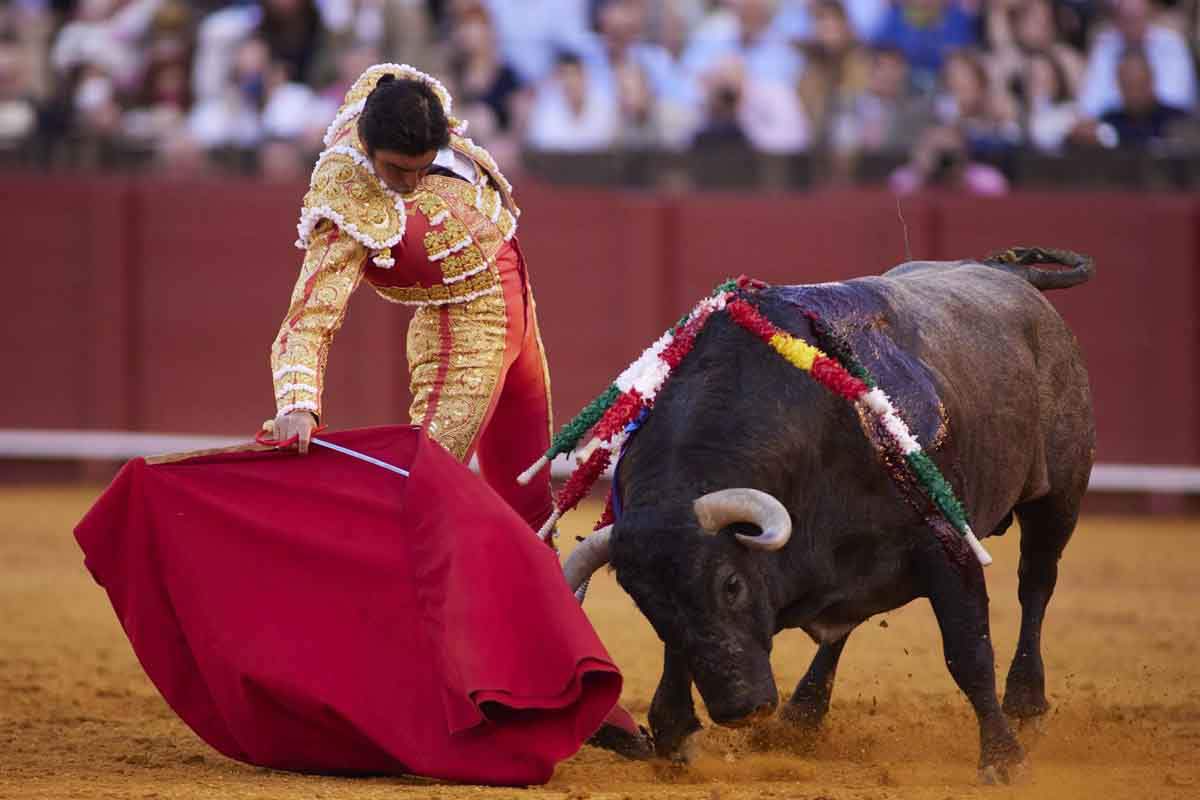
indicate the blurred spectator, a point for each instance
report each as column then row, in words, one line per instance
column 1021, row 29
column 1049, row 109
column 291, row 29
column 484, row 81
column 351, row 63
column 400, row 30
column 18, row 111
column 293, row 33
column 160, row 110
column 26, row 28
column 670, row 23
column 570, row 112
column 657, row 104
column 754, row 31
column 837, row 68
column 533, row 32
column 105, row 35
column 987, row 119
column 259, row 103
column 867, row 17
column 765, row 113
column 1140, row 120
column 1172, row 68
column 940, row 161
column 217, row 39
column 1074, row 20
column 926, row 31
column 885, row 118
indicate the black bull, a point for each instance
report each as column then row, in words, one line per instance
column 991, row 381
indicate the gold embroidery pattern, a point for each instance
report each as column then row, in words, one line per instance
column 490, row 207
column 537, row 332
column 462, row 263
column 453, row 236
column 459, row 196
column 478, row 332
column 462, row 291
column 171, row 458
column 507, row 224
column 343, row 191
column 333, row 267
column 429, row 204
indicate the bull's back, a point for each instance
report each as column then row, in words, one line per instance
column 1009, row 376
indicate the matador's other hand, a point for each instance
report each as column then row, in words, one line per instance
column 297, row 424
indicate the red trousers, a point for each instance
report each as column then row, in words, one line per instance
column 481, row 387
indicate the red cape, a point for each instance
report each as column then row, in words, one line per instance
column 321, row 614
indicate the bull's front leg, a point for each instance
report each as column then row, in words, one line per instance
column 959, row 598
column 810, row 701
column 672, row 711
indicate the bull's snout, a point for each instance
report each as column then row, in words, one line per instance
column 741, row 720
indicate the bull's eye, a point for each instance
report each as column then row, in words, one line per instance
column 733, row 587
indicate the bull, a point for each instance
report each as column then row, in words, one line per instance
column 751, row 501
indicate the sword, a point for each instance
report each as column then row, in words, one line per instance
column 360, row 456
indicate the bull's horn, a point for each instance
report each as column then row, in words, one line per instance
column 715, row 510
column 590, row 555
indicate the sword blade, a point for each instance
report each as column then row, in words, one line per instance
column 360, row 456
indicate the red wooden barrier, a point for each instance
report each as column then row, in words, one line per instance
column 151, row 304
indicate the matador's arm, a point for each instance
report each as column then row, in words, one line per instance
column 333, row 267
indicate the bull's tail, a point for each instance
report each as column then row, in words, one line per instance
column 1021, row 260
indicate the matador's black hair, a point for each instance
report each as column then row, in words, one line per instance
column 405, row 116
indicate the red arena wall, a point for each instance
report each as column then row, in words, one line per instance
column 146, row 304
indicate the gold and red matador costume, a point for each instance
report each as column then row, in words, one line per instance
column 477, row 368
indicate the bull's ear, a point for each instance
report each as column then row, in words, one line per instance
column 717, row 510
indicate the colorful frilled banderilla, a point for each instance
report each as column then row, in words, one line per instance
column 611, row 415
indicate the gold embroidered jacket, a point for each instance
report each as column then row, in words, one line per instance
column 445, row 235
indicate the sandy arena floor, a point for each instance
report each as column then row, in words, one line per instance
column 79, row 719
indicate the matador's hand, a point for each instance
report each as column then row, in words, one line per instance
column 297, row 424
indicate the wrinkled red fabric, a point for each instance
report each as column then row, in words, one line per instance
column 320, row 614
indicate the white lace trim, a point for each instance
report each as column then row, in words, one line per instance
column 449, row 251
column 512, row 227
column 468, row 274
column 341, row 119
column 287, row 369
column 449, row 301
column 295, row 387
column 481, row 206
column 439, row 218
column 311, row 216
column 303, row 405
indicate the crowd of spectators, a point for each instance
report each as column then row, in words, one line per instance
column 957, row 85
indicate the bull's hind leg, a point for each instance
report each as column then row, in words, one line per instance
column 1046, row 526
column 959, row 598
column 810, row 701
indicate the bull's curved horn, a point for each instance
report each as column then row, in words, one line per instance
column 715, row 510
column 589, row 556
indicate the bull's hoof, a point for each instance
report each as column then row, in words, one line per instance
column 804, row 716
column 680, row 749
column 610, row 737
column 1003, row 774
column 687, row 752
column 1024, row 702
